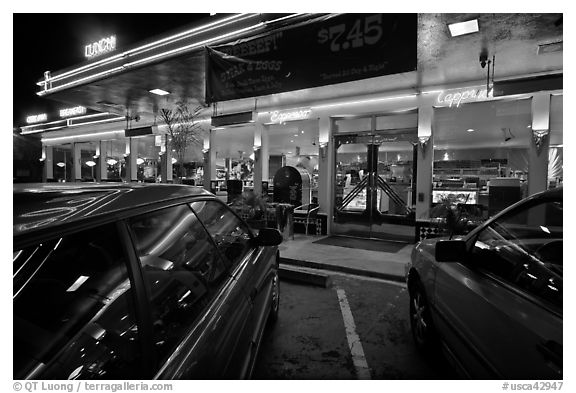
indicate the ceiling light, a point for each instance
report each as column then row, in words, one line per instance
column 470, row 26
column 139, row 161
column 295, row 134
column 302, row 132
column 159, row 92
column 291, row 140
column 470, row 130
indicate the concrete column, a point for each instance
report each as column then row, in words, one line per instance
column 326, row 168
column 101, row 164
column 228, row 166
column 130, row 158
column 76, row 163
column 261, row 157
column 48, row 170
column 209, row 160
column 265, row 153
column 166, row 161
column 258, row 162
column 425, row 158
column 538, row 162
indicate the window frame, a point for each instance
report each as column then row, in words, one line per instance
column 155, row 364
column 472, row 237
column 235, row 268
column 135, row 283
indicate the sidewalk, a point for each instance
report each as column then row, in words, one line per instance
column 301, row 251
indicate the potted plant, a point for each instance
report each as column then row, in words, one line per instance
column 452, row 217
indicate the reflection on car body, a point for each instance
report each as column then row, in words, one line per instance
column 139, row 285
column 492, row 300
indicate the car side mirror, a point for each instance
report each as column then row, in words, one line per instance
column 268, row 237
column 450, row 250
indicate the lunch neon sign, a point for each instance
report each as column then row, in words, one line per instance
column 457, row 97
column 297, row 114
column 101, row 47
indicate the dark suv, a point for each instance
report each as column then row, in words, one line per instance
column 137, row 282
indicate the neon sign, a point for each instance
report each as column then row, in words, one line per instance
column 77, row 110
column 290, row 115
column 101, row 47
column 458, row 97
column 36, row 118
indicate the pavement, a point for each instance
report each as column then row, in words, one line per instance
column 302, row 255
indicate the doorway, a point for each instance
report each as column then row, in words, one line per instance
column 375, row 184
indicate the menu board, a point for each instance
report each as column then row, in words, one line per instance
column 329, row 49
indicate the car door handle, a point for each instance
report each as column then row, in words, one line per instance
column 552, row 351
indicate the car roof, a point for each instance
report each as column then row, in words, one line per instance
column 46, row 206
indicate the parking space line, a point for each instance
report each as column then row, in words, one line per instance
column 358, row 358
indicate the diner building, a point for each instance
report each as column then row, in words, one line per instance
column 379, row 119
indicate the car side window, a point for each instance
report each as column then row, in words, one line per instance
column 73, row 309
column 182, row 268
column 525, row 249
column 231, row 235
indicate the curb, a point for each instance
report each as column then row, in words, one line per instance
column 290, row 273
column 343, row 269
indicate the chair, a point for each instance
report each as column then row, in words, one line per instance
column 307, row 214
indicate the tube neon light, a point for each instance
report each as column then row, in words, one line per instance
column 96, row 121
column 365, row 101
column 170, row 52
column 125, row 54
column 80, row 135
column 151, row 46
column 42, row 130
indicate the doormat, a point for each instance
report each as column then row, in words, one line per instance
column 362, row 244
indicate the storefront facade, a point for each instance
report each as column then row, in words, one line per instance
column 380, row 153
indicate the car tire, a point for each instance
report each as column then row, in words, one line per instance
column 275, row 301
column 423, row 331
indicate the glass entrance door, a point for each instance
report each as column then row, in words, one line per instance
column 375, row 185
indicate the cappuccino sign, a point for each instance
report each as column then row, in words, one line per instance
column 457, row 97
column 101, row 47
column 290, row 115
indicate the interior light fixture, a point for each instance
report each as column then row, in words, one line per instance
column 139, row 161
column 159, row 92
column 61, row 164
column 461, row 28
column 90, row 163
column 470, row 130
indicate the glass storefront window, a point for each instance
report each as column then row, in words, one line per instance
column 87, row 162
column 295, row 144
column 62, row 161
column 556, row 152
column 113, row 152
column 148, row 159
column 481, row 156
column 234, row 154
